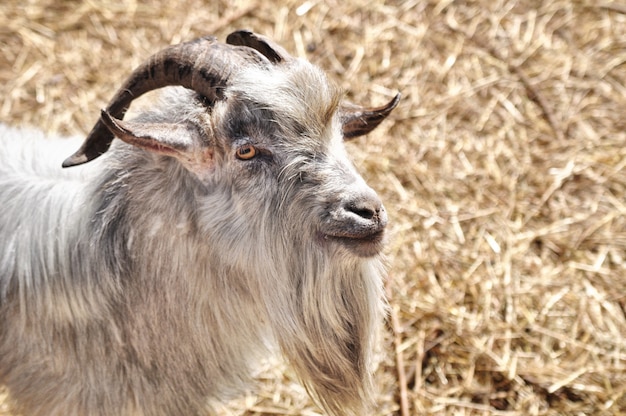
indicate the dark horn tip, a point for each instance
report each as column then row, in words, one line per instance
column 76, row 159
column 394, row 102
column 388, row 108
column 384, row 110
column 95, row 145
column 235, row 38
column 243, row 37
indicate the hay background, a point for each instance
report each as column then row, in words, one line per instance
column 502, row 170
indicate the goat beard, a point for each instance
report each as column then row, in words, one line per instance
column 331, row 325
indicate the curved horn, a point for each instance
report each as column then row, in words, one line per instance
column 267, row 47
column 358, row 121
column 202, row 65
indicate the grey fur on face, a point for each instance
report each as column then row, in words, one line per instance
column 227, row 220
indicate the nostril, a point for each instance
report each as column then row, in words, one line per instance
column 366, row 209
column 363, row 212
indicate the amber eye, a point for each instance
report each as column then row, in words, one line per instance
column 246, row 152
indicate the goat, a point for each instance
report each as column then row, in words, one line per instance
column 227, row 222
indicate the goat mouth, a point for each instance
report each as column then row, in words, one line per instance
column 363, row 245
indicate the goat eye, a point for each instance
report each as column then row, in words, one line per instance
column 246, row 152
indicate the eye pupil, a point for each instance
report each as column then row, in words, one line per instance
column 246, row 152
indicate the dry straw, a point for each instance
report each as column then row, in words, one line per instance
column 503, row 170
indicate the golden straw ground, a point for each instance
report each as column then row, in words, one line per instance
column 503, row 170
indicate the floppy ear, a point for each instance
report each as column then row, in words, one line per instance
column 181, row 141
column 358, row 121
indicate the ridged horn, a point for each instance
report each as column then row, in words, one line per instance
column 202, row 65
column 264, row 45
column 358, row 120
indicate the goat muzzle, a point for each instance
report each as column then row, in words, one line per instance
column 358, row 223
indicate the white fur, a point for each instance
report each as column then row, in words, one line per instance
column 131, row 285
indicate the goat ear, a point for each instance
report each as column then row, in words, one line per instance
column 265, row 46
column 358, row 121
column 175, row 140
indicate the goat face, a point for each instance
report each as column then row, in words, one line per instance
column 283, row 143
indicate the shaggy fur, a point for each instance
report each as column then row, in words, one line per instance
column 140, row 284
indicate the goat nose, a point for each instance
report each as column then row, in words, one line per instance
column 368, row 207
